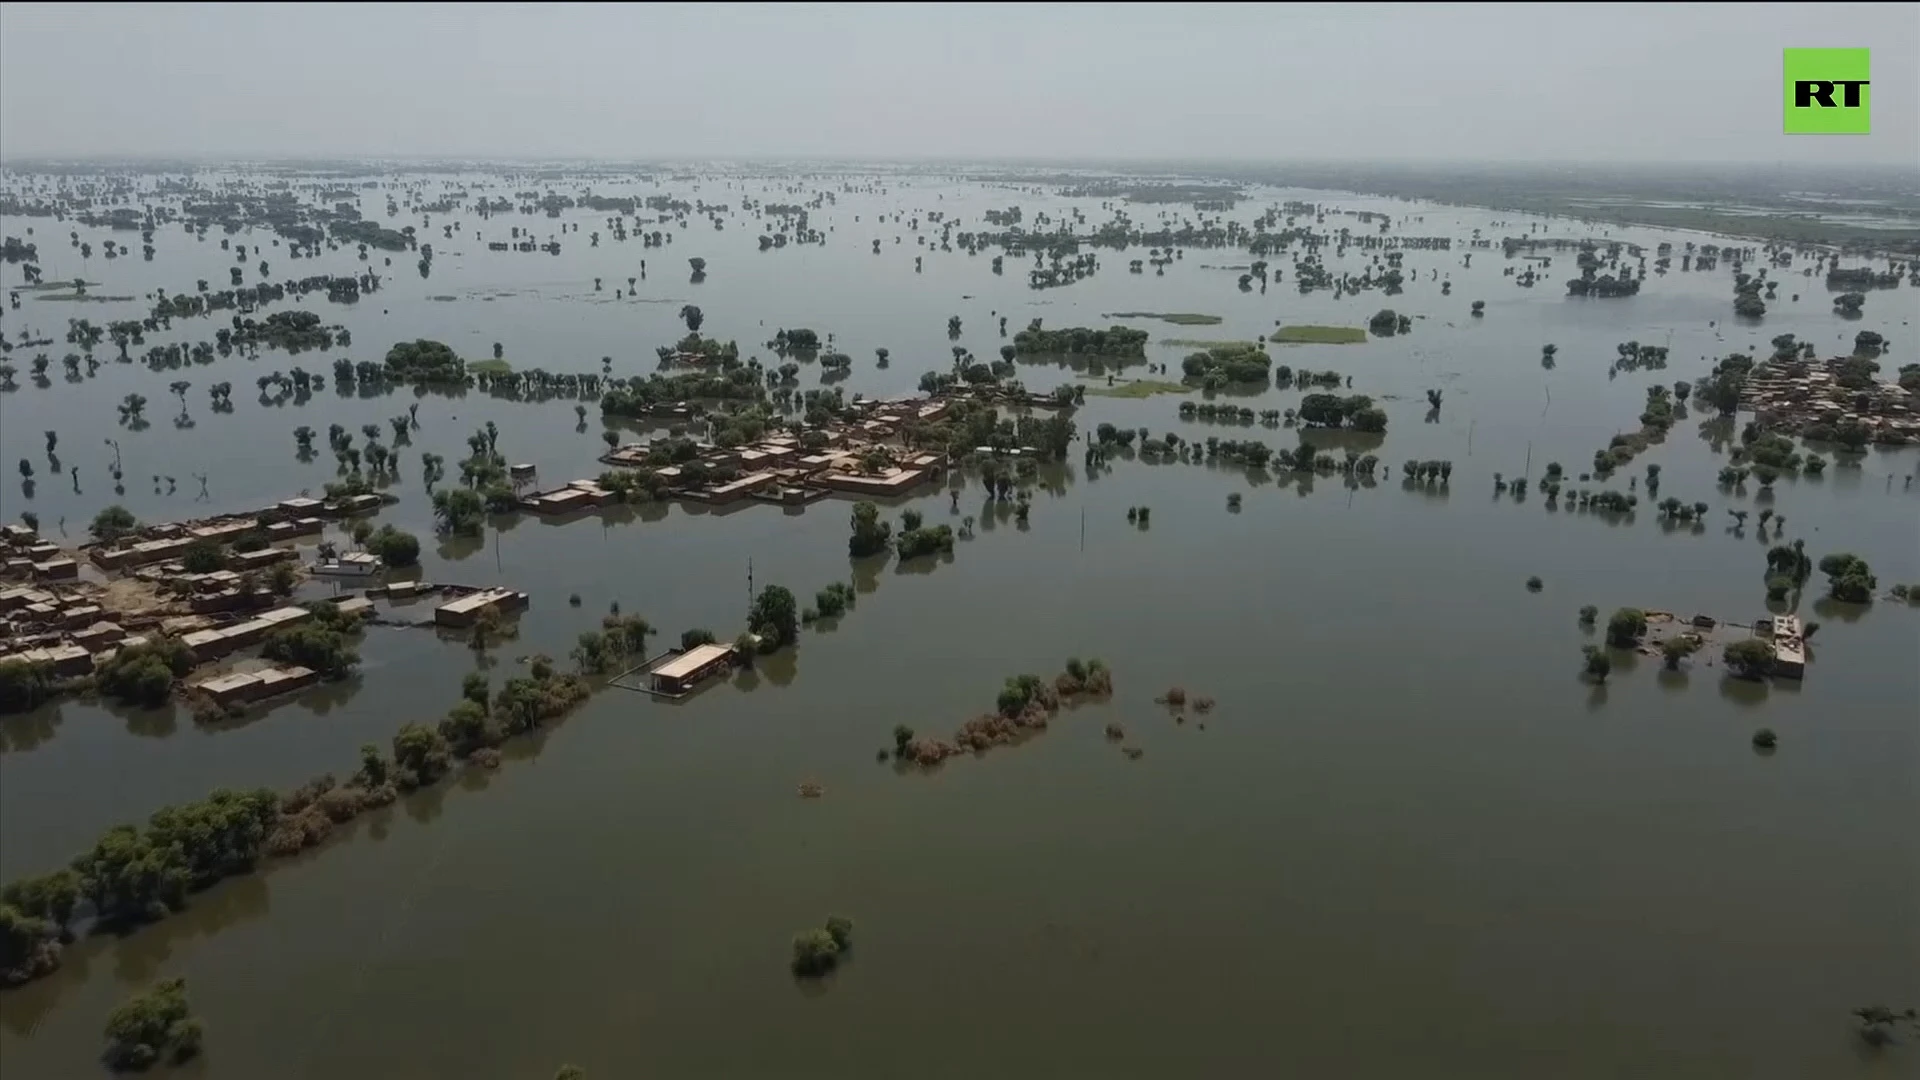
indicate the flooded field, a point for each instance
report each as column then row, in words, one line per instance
column 1409, row 838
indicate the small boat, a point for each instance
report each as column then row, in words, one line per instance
column 352, row 564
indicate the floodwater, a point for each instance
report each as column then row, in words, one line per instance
column 1408, row 842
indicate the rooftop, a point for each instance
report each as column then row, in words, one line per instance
column 691, row 661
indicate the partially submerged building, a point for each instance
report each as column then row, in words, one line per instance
column 677, row 674
column 1789, row 647
column 465, row 610
column 243, row 687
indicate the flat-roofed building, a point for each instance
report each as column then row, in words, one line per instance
column 462, row 611
column 892, row 482
column 678, row 673
column 742, row 487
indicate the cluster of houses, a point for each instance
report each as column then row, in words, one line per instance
column 24, row 556
column 66, row 629
column 63, row 628
column 1795, row 402
column 778, row 469
column 69, row 626
column 285, row 520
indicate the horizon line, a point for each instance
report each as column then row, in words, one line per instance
column 17, row 161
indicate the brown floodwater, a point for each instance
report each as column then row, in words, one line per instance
column 1409, row 840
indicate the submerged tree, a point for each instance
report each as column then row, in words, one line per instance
column 775, row 617
column 816, row 952
column 870, row 535
column 152, row 1027
column 1849, row 578
column 1598, row 665
column 1749, row 658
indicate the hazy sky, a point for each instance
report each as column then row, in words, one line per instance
column 1460, row 82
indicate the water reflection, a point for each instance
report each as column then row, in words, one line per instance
column 27, row 731
column 781, row 667
column 145, row 723
column 455, row 547
column 1840, row 610
column 1746, row 693
column 425, row 804
column 556, row 561
column 140, row 957
column 924, row 564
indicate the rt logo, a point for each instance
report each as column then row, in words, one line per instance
column 1826, row 92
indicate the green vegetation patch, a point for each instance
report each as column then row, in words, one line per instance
column 1178, row 318
column 1206, row 343
column 1318, row 335
column 490, row 367
column 1138, row 388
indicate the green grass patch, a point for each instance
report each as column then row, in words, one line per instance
column 490, row 367
column 1206, row 343
column 1318, row 335
column 1138, row 388
column 1178, row 318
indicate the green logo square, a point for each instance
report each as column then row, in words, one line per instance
column 1826, row 92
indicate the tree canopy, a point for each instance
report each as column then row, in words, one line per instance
column 152, row 1026
column 424, row 361
column 775, row 616
column 113, row 523
column 870, row 534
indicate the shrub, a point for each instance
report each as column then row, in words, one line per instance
column 144, row 674
column 1598, row 664
column 1848, row 578
column 312, row 645
column 1749, row 658
column 833, row 600
column 1625, row 626
column 112, row 523
column 24, row 685
column 840, row 928
column 814, row 953
column 202, row 557
column 1677, row 649
column 151, row 1027
column 395, row 548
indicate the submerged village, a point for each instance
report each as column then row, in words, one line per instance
column 201, row 590
column 1034, row 438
